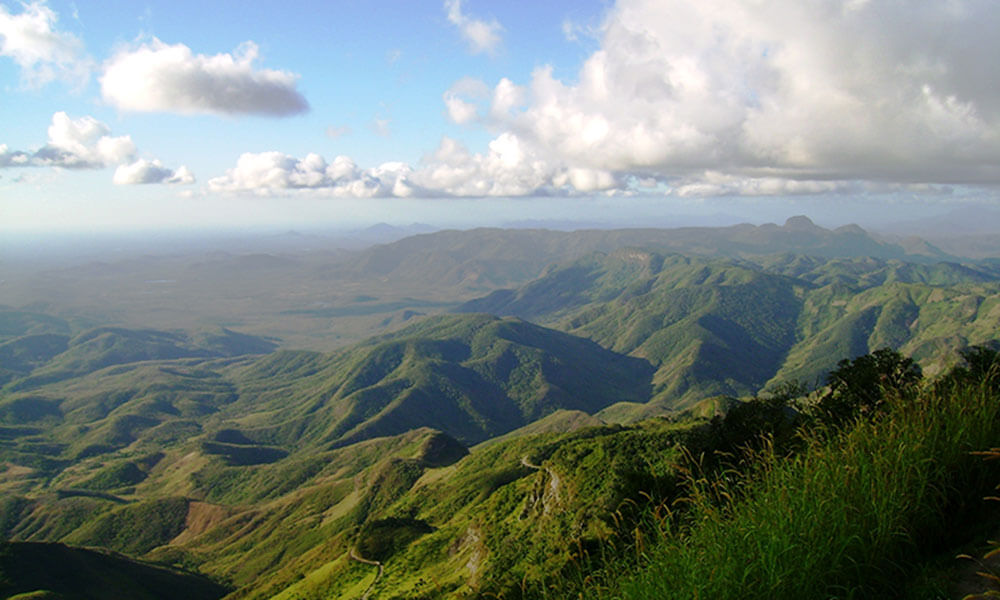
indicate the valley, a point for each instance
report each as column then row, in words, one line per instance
column 475, row 413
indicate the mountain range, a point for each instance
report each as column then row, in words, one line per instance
column 480, row 449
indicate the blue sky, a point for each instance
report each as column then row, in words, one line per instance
column 126, row 115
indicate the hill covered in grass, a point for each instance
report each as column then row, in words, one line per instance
column 557, row 431
column 472, row 376
column 260, row 470
column 58, row 572
column 481, row 258
column 720, row 326
column 548, row 509
column 878, row 507
column 33, row 359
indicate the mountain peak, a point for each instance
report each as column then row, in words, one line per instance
column 801, row 223
column 851, row 228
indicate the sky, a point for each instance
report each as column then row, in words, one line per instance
column 133, row 116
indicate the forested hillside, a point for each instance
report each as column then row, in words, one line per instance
column 567, row 429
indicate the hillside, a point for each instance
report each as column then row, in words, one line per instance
column 57, row 572
column 721, row 326
column 36, row 359
column 483, row 258
column 522, row 445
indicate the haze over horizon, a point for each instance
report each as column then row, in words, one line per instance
column 463, row 113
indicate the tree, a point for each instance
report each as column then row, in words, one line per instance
column 981, row 366
column 862, row 385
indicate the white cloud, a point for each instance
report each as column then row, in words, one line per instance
column 506, row 97
column 157, row 77
column 13, row 158
column 459, row 110
column 87, row 143
column 461, row 99
column 727, row 97
column 481, row 36
column 151, row 171
column 714, row 183
column 271, row 172
column 42, row 53
column 508, row 169
column 83, row 143
column 336, row 132
column 773, row 91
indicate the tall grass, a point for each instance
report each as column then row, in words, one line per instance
column 845, row 518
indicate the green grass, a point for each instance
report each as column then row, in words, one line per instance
column 846, row 518
column 55, row 571
column 136, row 528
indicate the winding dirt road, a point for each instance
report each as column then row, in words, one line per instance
column 354, row 556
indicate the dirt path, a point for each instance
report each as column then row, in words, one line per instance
column 354, row 556
column 553, row 476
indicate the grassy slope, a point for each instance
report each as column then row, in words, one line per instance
column 473, row 376
column 212, row 436
column 57, row 571
column 847, row 518
column 488, row 522
column 734, row 327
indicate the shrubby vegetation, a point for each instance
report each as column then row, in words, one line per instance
column 646, row 431
column 852, row 514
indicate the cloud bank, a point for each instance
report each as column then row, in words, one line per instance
column 42, row 53
column 506, row 169
column 87, row 143
column 268, row 172
column 83, row 143
column 158, row 77
column 717, row 97
column 829, row 90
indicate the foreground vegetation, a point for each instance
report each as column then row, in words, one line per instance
column 853, row 513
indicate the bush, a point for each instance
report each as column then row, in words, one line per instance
column 847, row 517
column 860, row 387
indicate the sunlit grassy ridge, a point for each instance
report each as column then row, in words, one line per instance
column 724, row 326
column 848, row 517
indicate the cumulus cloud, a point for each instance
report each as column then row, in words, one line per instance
column 507, row 169
column 482, row 36
column 151, row 171
column 158, row 77
column 87, row 143
column 269, row 172
column 13, row 158
column 776, row 92
column 718, row 97
column 83, row 143
column 44, row 54
column 461, row 99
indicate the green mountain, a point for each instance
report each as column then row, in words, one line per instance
column 733, row 327
column 58, row 572
column 53, row 357
column 472, row 376
column 461, row 455
column 489, row 258
column 262, row 470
